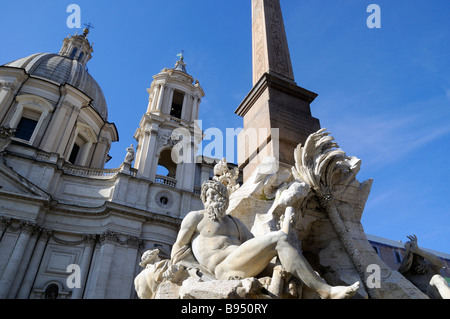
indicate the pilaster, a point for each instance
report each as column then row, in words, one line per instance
column 34, row 264
column 9, row 275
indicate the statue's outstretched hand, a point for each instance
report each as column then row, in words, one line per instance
column 297, row 191
column 413, row 243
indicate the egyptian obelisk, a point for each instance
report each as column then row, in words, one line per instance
column 275, row 101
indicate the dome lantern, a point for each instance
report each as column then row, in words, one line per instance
column 77, row 47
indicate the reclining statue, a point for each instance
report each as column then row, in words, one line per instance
column 224, row 247
column 423, row 270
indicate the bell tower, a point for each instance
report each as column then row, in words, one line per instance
column 167, row 135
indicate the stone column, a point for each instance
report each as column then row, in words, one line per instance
column 89, row 241
column 142, row 135
column 148, row 152
column 161, row 96
column 184, row 110
column 69, row 124
column 33, row 266
column 167, row 107
column 101, row 149
column 6, row 97
column 154, row 166
column 85, row 152
column 24, row 263
column 156, row 92
column 4, row 224
column 14, row 261
column 195, row 105
column 99, row 281
column 133, row 243
column 56, row 127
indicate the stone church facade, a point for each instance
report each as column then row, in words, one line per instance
column 59, row 206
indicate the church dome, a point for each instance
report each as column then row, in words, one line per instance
column 63, row 69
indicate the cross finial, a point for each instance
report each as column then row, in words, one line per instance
column 181, row 55
column 88, row 26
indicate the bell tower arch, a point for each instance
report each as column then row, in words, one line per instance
column 167, row 135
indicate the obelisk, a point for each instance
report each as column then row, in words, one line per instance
column 276, row 111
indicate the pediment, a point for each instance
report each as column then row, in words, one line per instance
column 13, row 183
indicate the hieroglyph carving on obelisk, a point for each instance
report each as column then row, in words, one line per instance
column 270, row 47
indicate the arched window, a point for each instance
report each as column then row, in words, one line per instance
column 28, row 116
column 74, row 52
column 177, row 104
column 166, row 166
column 83, row 141
column 51, row 292
column 162, row 170
column 76, row 151
column 80, row 57
column 27, row 124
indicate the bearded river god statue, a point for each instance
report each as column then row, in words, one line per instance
column 282, row 234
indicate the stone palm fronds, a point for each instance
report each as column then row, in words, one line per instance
column 320, row 163
column 316, row 162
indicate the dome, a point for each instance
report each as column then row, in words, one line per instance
column 62, row 69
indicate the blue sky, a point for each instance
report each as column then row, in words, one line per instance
column 384, row 94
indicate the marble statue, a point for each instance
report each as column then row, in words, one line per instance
column 129, row 158
column 423, row 270
column 292, row 233
column 155, row 272
column 224, row 246
column 227, row 176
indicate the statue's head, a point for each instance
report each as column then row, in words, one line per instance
column 420, row 265
column 149, row 257
column 214, row 196
column 221, row 167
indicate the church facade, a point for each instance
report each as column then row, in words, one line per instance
column 61, row 212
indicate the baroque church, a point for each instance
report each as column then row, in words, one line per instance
column 59, row 206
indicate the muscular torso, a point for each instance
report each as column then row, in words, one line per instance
column 214, row 241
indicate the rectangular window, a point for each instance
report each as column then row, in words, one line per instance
column 74, row 154
column 25, row 128
column 376, row 249
column 177, row 104
column 398, row 257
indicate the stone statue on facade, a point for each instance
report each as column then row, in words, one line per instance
column 423, row 269
column 129, row 158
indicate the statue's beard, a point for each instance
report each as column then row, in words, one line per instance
column 216, row 210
